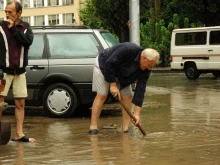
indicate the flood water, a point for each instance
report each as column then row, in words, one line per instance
column 181, row 118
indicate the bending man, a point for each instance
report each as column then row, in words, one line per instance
column 115, row 69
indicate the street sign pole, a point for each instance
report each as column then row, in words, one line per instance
column 134, row 16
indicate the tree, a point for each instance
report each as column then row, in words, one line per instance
column 88, row 15
column 112, row 15
column 158, row 18
column 107, row 14
column 200, row 11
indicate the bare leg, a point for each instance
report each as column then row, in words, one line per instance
column 96, row 110
column 126, row 119
column 19, row 116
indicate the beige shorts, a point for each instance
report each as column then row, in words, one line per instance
column 101, row 86
column 19, row 86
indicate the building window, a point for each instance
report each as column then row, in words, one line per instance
column 53, row 20
column 68, row 18
column 25, row 3
column 68, row 2
column 53, row 2
column 1, row 4
column 38, row 3
column 26, row 19
column 39, row 20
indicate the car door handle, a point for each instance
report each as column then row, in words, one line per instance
column 36, row 67
column 210, row 50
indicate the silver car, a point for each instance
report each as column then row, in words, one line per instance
column 59, row 74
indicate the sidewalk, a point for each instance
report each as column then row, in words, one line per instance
column 165, row 70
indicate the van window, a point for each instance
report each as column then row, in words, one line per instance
column 191, row 38
column 214, row 38
column 37, row 48
column 73, row 45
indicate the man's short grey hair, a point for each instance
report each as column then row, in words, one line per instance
column 151, row 54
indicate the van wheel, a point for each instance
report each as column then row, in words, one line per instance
column 59, row 100
column 216, row 73
column 191, row 71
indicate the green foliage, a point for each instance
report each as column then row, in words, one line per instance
column 107, row 14
column 186, row 23
column 193, row 25
column 157, row 36
column 158, row 19
column 176, row 19
column 200, row 11
column 88, row 15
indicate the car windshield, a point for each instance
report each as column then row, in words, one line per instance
column 109, row 38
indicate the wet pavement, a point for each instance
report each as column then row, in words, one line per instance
column 181, row 118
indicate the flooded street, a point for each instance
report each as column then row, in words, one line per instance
column 181, row 118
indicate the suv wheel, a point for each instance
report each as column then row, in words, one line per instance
column 59, row 100
column 191, row 71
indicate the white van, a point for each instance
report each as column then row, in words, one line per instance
column 196, row 51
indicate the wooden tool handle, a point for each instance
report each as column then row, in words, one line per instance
column 132, row 116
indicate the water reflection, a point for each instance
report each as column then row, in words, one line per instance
column 201, row 102
column 96, row 150
column 194, row 118
column 58, row 136
column 120, row 150
column 181, row 119
column 19, row 154
column 156, row 108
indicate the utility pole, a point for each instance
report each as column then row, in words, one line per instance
column 134, row 18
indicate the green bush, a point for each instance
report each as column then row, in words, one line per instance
column 158, row 36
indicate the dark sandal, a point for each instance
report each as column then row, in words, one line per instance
column 93, row 132
column 23, row 139
column 127, row 131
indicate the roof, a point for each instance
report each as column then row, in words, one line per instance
column 198, row 29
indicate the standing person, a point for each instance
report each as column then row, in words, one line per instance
column 16, row 36
column 116, row 68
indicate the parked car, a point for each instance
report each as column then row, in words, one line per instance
column 60, row 70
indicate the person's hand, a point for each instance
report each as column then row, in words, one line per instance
column 137, row 117
column 10, row 22
column 115, row 91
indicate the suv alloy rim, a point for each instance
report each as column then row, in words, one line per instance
column 59, row 100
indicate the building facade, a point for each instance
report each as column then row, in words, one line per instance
column 48, row 12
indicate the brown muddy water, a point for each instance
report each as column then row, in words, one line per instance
column 181, row 118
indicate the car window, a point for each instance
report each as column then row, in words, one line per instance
column 72, row 45
column 37, row 48
column 214, row 38
column 109, row 38
column 191, row 38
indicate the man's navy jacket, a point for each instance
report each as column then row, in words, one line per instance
column 122, row 61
